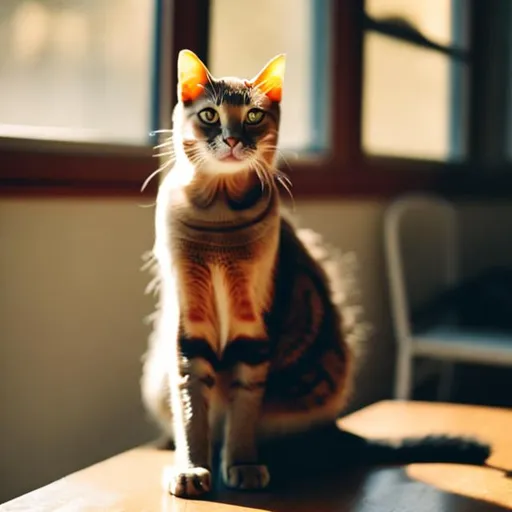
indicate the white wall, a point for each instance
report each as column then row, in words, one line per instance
column 72, row 333
column 71, row 311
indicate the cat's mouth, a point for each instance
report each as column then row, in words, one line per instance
column 230, row 157
column 235, row 154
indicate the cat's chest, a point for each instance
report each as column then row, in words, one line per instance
column 219, row 235
column 204, row 206
column 240, row 296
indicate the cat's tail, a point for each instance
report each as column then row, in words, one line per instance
column 332, row 449
column 434, row 448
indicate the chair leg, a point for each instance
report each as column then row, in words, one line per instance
column 445, row 381
column 403, row 378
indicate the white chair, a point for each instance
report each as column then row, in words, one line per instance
column 421, row 249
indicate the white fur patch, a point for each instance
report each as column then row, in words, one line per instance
column 221, row 295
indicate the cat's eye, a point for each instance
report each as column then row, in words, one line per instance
column 254, row 116
column 209, row 116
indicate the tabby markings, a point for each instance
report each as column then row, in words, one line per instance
column 216, row 228
column 249, row 351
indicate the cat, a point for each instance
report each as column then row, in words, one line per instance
column 249, row 339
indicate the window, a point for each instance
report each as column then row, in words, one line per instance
column 382, row 96
column 76, row 70
column 415, row 78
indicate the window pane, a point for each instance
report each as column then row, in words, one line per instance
column 433, row 18
column 76, row 70
column 246, row 34
column 411, row 101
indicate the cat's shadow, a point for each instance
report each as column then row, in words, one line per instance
column 332, row 470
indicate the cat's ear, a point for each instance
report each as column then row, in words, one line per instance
column 193, row 75
column 270, row 79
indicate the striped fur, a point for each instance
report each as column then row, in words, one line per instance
column 301, row 353
column 248, row 337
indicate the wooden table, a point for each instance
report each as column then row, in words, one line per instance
column 131, row 481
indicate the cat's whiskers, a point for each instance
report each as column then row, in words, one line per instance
column 161, row 130
column 253, row 165
column 275, row 147
column 197, row 157
column 272, row 147
column 167, row 143
column 284, row 177
column 264, row 172
column 165, row 153
column 165, row 164
column 284, row 184
column 284, row 158
column 278, row 175
column 151, row 176
column 162, row 168
column 167, row 146
column 151, row 205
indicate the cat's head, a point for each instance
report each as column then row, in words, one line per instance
column 227, row 125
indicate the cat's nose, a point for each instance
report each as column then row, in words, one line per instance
column 231, row 141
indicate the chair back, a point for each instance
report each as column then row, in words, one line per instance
column 421, row 246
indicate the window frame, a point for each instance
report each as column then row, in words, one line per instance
column 29, row 168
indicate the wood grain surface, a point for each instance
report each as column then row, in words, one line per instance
column 131, row 481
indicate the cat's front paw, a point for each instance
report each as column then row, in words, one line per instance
column 247, row 477
column 189, row 482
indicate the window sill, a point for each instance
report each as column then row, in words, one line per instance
column 385, row 178
column 72, row 169
column 41, row 168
